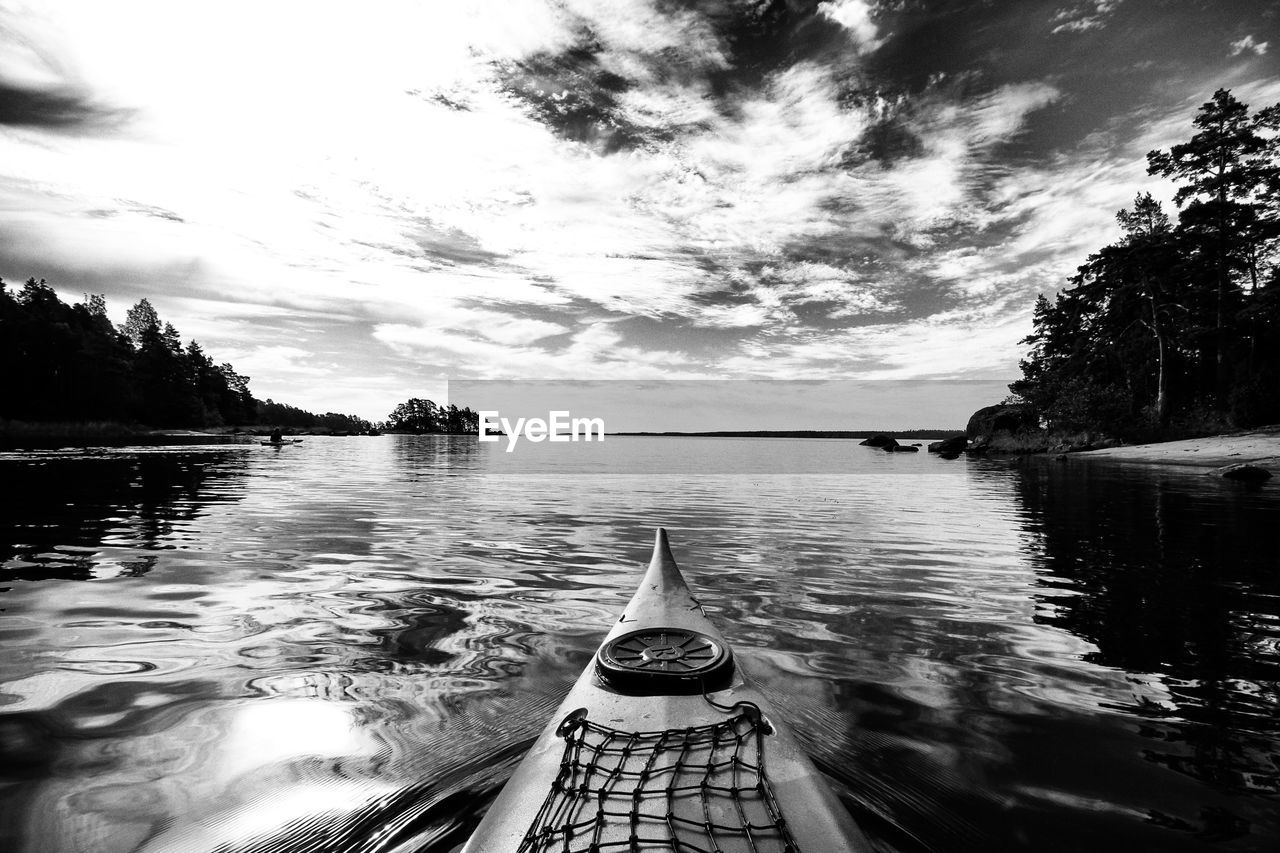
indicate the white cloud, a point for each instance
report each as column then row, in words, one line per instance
column 515, row 331
column 484, row 327
column 1248, row 44
column 628, row 28
column 734, row 316
column 284, row 363
column 1089, row 15
column 854, row 16
column 1000, row 115
column 596, row 351
column 957, row 136
column 775, row 289
column 964, row 344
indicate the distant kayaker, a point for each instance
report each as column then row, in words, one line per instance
column 276, row 436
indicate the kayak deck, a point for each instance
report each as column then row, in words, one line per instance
column 664, row 745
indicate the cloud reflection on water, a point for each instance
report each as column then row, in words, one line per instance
column 364, row 634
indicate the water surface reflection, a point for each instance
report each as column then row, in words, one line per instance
column 1172, row 579
column 347, row 644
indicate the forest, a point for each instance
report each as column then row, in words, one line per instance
column 64, row 363
column 68, row 364
column 1174, row 329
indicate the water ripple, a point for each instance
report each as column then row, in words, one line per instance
column 348, row 647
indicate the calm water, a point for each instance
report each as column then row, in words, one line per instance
column 346, row 645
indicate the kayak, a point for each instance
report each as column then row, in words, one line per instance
column 664, row 744
column 285, row 441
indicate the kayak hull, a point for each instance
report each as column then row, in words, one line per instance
column 788, row 791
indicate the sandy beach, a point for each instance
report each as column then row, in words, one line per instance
column 1259, row 447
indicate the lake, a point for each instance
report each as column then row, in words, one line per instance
column 347, row 644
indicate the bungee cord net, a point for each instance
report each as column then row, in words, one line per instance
column 693, row 790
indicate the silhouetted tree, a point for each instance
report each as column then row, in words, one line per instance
column 417, row 415
column 1160, row 324
column 141, row 321
column 283, row 415
column 235, row 402
column 1220, row 171
column 68, row 363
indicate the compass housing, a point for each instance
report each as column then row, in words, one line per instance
column 664, row 661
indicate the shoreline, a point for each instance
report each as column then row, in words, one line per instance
column 1260, row 447
column 54, row 435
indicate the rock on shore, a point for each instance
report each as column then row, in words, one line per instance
column 950, row 445
column 1244, row 472
column 1005, row 428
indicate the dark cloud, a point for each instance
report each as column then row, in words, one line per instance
column 673, row 334
column 924, row 297
column 134, row 207
column 576, row 97
column 939, row 41
column 440, row 247
column 40, row 87
column 760, row 39
column 765, row 36
column 852, row 248
column 63, row 108
column 452, row 246
column 444, row 99
column 155, row 211
column 73, row 277
column 886, row 141
column 1107, row 57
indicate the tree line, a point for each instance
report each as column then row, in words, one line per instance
column 1174, row 328
column 417, row 415
column 70, row 364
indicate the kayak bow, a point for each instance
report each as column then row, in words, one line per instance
column 663, row 744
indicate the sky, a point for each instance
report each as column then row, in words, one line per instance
column 708, row 405
column 356, row 203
